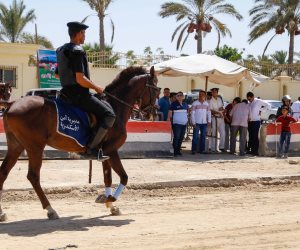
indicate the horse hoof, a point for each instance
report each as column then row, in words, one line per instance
column 3, row 217
column 110, row 199
column 115, row 210
column 52, row 215
column 101, row 199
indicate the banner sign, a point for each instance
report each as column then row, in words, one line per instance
column 47, row 64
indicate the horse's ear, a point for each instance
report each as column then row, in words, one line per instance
column 152, row 71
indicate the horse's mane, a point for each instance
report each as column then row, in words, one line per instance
column 123, row 77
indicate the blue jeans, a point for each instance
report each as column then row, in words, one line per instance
column 285, row 137
column 202, row 128
column 178, row 133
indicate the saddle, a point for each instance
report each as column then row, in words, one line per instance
column 91, row 116
column 74, row 123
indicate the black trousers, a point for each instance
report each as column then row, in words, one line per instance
column 253, row 143
column 89, row 103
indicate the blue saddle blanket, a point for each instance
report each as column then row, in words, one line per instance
column 73, row 122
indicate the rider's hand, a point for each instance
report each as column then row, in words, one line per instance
column 98, row 89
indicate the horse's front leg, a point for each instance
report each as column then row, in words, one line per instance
column 117, row 166
column 115, row 163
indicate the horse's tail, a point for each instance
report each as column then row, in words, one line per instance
column 5, row 104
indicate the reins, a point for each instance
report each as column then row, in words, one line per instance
column 121, row 101
column 139, row 111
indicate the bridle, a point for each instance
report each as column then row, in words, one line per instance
column 150, row 108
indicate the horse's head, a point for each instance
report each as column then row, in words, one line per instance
column 148, row 96
column 5, row 91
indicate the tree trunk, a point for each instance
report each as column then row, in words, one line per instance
column 219, row 40
column 291, row 48
column 199, row 42
column 101, row 33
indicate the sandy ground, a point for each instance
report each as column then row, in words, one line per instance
column 165, row 205
column 249, row 217
column 59, row 173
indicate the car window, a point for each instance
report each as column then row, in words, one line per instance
column 46, row 93
column 275, row 105
column 189, row 99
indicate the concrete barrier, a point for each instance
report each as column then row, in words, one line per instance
column 144, row 140
column 270, row 137
column 147, row 140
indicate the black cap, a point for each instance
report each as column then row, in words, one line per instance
column 77, row 26
column 212, row 89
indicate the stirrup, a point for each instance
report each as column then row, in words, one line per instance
column 101, row 157
column 93, row 154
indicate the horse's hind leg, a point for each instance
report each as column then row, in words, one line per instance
column 14, row 149
column 107, row 182
column 35, row 163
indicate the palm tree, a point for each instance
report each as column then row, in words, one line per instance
column 279, row 57
column 100, row 6
column 277, row 15
column 197, row 16
column 30, row 38
column 107, row 59
column 13, row 20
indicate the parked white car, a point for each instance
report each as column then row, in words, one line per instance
column 50, row 93
column 269, row 112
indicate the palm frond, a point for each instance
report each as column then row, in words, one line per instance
column 176, row 30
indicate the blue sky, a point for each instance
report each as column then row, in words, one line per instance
column 138, row 25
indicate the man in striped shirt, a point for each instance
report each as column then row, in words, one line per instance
column 200, row 119
column 178, row 116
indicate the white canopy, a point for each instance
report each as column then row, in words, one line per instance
column 216, row 69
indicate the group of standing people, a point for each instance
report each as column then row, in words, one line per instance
column 209, row 117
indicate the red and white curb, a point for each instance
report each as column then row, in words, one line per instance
column 270, row 138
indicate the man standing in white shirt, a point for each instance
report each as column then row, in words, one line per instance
column 254, row 122
column 217, row 121
column 296, row 109
column 200, row 119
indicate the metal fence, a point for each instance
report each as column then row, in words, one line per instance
column 123, row 60
column 274, row 70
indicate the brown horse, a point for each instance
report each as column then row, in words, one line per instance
column 30, row 123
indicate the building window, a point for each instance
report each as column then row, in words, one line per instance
column 8, row 75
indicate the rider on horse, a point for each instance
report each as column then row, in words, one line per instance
column 75, row 80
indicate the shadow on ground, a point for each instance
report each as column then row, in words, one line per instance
column 34, row 227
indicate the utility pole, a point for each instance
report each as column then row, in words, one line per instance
column 36, row 35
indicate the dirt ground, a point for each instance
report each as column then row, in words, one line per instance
column 248, row 217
